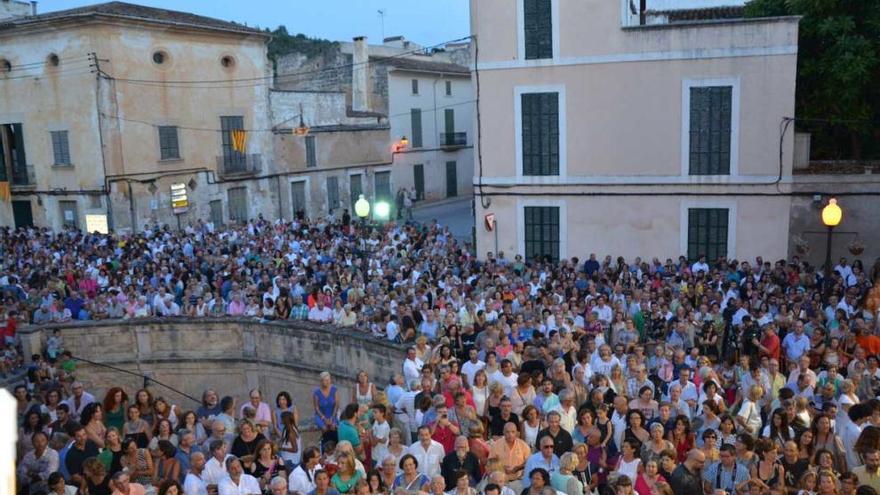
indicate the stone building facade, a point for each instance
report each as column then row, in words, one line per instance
column 104, row 108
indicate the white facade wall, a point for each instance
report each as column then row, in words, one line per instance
column 433, row 101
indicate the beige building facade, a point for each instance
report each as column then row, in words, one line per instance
column 602, row 134
column 104, row 108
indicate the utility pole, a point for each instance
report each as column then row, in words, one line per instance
column 95, row 66
column 382, row 22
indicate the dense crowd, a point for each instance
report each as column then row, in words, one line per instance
column 521, row 376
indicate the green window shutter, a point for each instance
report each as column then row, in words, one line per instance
column 710, row 130
column 538, row 29
column 416, row 121
column 540, row 133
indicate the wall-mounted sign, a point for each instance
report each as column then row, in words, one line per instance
column 179, row 200
column 490, row 222
column 97, row 223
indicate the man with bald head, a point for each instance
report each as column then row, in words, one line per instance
column 512, row 451
column 687, row 477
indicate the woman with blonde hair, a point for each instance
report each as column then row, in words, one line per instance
column 564, row 480
column 347, row 476
column 480, row 392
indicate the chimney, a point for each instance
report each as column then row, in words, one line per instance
column 33, row 7
column 360, row 66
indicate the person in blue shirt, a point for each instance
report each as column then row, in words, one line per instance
column 543, row 459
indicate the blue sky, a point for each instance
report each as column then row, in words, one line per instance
column 426, row 22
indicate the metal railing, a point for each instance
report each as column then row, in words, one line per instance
column 453, row 139
column 239, row 164
column 24, row 176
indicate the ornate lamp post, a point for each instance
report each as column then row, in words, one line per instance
column 832, row 214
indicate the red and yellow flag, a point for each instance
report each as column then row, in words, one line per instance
column 239, row 140
column 4, row 191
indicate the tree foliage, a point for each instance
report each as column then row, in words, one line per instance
column 283, row 43
column 838, row 75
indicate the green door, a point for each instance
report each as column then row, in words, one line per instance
column 419, row 180
column 451, row 180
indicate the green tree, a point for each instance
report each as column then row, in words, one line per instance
column 283, row 43
column 838, row 74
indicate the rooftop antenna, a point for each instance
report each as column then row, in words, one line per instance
column 381, row 13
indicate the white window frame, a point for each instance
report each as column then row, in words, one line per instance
column 687, row 204
column 518, row 91
column 521, row 204
column 686, row 85
column 521, row 34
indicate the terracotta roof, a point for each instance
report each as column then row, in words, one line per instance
column 706, row 14
column 417, row 65
column 123, row 10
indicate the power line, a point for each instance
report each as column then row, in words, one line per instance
column 27, row 65
column 274, row 129
column 61, row 73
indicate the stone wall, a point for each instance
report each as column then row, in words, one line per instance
column 229, row 355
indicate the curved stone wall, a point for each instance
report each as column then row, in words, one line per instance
column 230, row 355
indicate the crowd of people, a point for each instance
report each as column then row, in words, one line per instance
column 528, row 377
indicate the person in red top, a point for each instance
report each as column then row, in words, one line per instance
column 444, row 430
column 769, row 344
column 8, row 325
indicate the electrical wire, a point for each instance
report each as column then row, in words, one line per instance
column 271, row 80
column 61, row 73
column 26, row 65
column 273, row 129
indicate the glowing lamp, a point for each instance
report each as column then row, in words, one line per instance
column 832, row 214
column 383, row 209
column 362, row 207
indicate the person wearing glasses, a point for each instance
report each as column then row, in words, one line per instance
column 544, row 459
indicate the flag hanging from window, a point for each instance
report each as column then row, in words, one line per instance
column 239, row 140
column 4, row 191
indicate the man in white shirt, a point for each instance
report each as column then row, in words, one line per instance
column 505, row 376
column 700, row 266
column 858, row 415
column 236, row 482
column 78, row 401
column 406, row 409
column 320, row 313
column 194, row 484
column 215, row 468
column 412, row 365
column 302, row 480
column 472, row 366
column 428, row 453
column 603, row 311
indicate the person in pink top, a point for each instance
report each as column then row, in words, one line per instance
column 263, row 417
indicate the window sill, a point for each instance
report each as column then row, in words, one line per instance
column 62, row 166
column 170, row 160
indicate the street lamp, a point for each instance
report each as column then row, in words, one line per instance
column 832, row 214
column 383, row 209
column 362, row 210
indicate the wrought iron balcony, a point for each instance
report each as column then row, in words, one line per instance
column 453, row 139
column 23, row 177
column 236, row 163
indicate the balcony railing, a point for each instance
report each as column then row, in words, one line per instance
column 453, row 139
column 23, row 177
column 239, row 164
